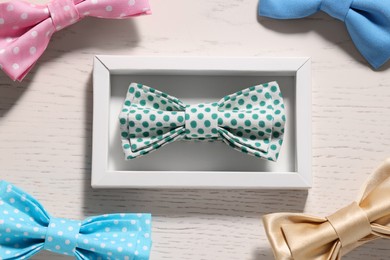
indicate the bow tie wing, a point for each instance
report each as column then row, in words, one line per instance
column 252, row 121
column 301, row 237
column 288, row 9
column 120, row 236
column 24, row 35
column 149, row 120
column 117, row 9
column 368, row 23
column 375, row 201
column 23, row 223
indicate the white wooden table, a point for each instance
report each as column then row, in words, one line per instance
column 46, row 122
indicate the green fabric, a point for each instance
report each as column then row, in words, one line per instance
column 251, row 121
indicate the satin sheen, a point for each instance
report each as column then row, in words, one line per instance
column 301, row 237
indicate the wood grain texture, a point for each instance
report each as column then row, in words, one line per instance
column 46, row 122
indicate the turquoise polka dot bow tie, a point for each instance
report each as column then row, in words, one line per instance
column 251, row 121
column 367, row 21
column 26, row 228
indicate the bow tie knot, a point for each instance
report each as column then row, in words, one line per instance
column 336, row 8
column 201, row 121
column 351, row 224
column 62, row 235
column 63, row 13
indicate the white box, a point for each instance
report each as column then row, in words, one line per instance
column 187, row 164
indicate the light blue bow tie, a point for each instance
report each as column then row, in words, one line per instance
column 367, row 21
column 26, row 228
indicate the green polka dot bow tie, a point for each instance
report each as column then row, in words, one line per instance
column 26, row 228
column 251, row 121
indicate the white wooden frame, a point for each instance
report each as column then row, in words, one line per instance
column 105, row 66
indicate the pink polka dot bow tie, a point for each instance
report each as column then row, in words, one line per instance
column 25, row 29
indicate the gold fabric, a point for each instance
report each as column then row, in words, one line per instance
column 303, row 237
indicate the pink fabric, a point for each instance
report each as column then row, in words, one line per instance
column 25, row 29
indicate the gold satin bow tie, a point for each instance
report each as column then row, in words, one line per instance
column 305, row 237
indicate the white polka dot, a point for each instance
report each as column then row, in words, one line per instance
column 36, row 229
column 33, row 50
column 139, row 215
column 1, row 221
column 145, row 248
column 120, row 249
column 2, row 21
column 15, row 27
column 46, row 10
column 131, row 2
column 62, row 221
column 25, row 234
column 124, row 229
column 70, row 228
column 66, row 8
column 147, row 222
column 127, row 258
column 60, row 233
column 58, row 247
column 107, row 229
column 85, row 241
column 94, row 1
column 10, row 7
column 18, row 225
column 130, row 245
column 53, row 225
column 23, row 198
column 146, row 235
column 133, row 222
column 108, row 8
column 49, row 239
column 7, row 252
column 8, row 230
column 15, row 66
column 116, row 222
column 8, row 39
column 24, row 16
column 136, row 252
column 5, row 212
column 102, row 245
column 67, row 241
column 12, row 200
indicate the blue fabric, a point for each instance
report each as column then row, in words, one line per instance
column 26, row 228
column 367, row 21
